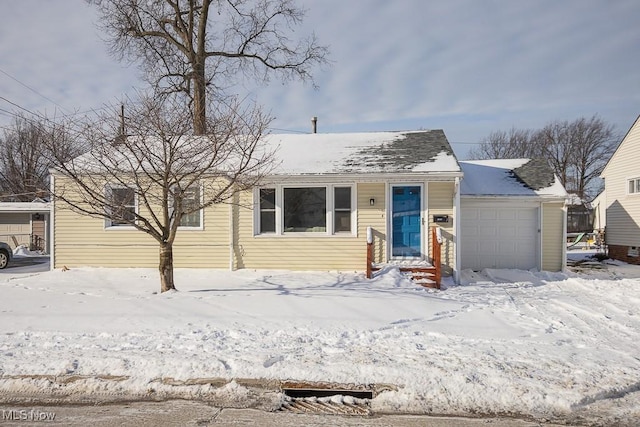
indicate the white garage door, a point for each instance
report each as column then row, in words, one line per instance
column 15, row 226
column 499, row 237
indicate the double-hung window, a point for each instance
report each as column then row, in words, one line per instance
column 318, row 209
column 267, row 218
column 190, row 200
column 122, row 206
column 634, row 186
column 342, row 209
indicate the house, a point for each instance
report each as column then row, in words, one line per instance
column 513, row 215
column 599, row 213
column 621, row 198
column 25, row 224
column 313, row 211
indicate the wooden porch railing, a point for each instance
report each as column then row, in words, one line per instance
column 436, row 245
column 436, row 251
column 369, row 252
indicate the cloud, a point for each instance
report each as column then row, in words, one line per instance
column 465, row 66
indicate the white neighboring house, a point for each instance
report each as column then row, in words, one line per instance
column 599, row 212
column 622, row 198
column 513, row 215
column 25, row 224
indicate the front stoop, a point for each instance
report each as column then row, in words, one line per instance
column 422, row 275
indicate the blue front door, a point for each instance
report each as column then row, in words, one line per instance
column 406, row 221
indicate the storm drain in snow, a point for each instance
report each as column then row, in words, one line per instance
column 327, row 401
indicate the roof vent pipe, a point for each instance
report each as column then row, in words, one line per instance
column 314, row 124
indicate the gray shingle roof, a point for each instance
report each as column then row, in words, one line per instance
column 405, row 153
column 535, row 174
column 371, row 152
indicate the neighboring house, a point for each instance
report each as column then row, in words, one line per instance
column 513, row 215
column 599, row 212
column 622, row 198
column 313, row 211
column 25, row 224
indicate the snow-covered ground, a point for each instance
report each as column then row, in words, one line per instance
column 551, row 346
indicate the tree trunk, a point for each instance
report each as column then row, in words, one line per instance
column 199, row 98
column 166, row 267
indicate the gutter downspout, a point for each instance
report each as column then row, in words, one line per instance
column 456, row 230
column 541, row 241
column 564, row 236
column 51, row 227
column 231, row 234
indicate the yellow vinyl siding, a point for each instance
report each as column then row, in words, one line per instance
column 623, row 209
column 306, row 252
column 81, row 240
column 440, row 202
column 552, row 236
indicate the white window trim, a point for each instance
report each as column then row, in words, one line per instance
column 108, row 225
column 330, row 226
column 200, row 212
column 636, row 181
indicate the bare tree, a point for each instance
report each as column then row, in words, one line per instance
column 594, row 144
column 577, row 151
column 517, row 143
column 199, row 46
column 25, row 156
column 160, row 175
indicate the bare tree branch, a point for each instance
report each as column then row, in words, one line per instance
column 199, row 47
column 161, row 165
column 577, row 151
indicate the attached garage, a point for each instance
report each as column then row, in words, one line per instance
column 499, row 236
column 512, row 216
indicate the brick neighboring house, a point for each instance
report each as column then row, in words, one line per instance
column 622, row 198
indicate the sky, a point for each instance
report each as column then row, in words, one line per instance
column 465, row 66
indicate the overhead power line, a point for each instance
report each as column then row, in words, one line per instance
column 32, row 90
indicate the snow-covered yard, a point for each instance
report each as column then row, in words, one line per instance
column 549, row 346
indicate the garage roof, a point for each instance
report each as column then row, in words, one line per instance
column 41, row 207
column 510, row 177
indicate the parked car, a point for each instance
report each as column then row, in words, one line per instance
column 5, row 255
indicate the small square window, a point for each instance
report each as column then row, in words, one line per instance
column 634, row 186
column 633, row 251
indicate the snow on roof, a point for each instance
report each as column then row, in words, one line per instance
column 510, row 177
column 372, row 152
column 337, row 153
column 25, row 206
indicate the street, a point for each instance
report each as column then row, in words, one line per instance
column 189, row 413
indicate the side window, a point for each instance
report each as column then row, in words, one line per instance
column 122, row 205
column 267, row 210
column 634, row 186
